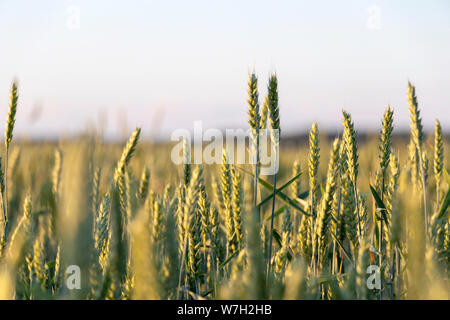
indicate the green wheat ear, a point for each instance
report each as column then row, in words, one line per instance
column 143, row 186
column 226, row 179
column 127, row 153
column 438, row 158
column 385, row 139
column 417, row 138
column 102, row 231
column 350, row 146
column 13, row 97
column 56, row 174
column 264, row 113
column 274, row 117
column 254, row 120
column 274, row 112
column 313, row 164
column 236, row 204
column 416, row 121
column 253, row 103
column 324, row 215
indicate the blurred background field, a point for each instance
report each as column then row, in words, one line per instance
column 38, row 173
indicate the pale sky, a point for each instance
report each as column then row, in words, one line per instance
column 164, row 64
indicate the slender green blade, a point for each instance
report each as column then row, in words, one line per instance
column 347, row 255
column 380, row 204
column 279, row 189
column 276, row 213
column 276, row 236
column 303, row 195
column 223, row 264
column 293, row 203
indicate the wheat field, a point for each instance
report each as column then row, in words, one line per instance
column 342, row 218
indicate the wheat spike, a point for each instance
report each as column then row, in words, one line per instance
column 313, row 165
column 253, row 104
column 203, row 209
column 393, row 232
column 2, row 195
column 296, row 185
column 157, row 221
column 304, row 238
column 416, row 121
column 254, row 122
column 13, row 98
column 127, row 153
column 324, row 215
column 274, row 112
column 226, row 196
column 56, row 176
column 96, row 188
column 102, row 233
column 385, row 146
column 348, row 209
column 417, row 137
column 438, row 159
column 274, row 117
column 236, row 200
column 281, row 257
column 214, row 231
column 143, row 186
column 264, row 113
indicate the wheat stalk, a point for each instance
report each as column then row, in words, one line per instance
column 10, row 121
column 254, row 122
column 25, row 223
column 274, row 117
